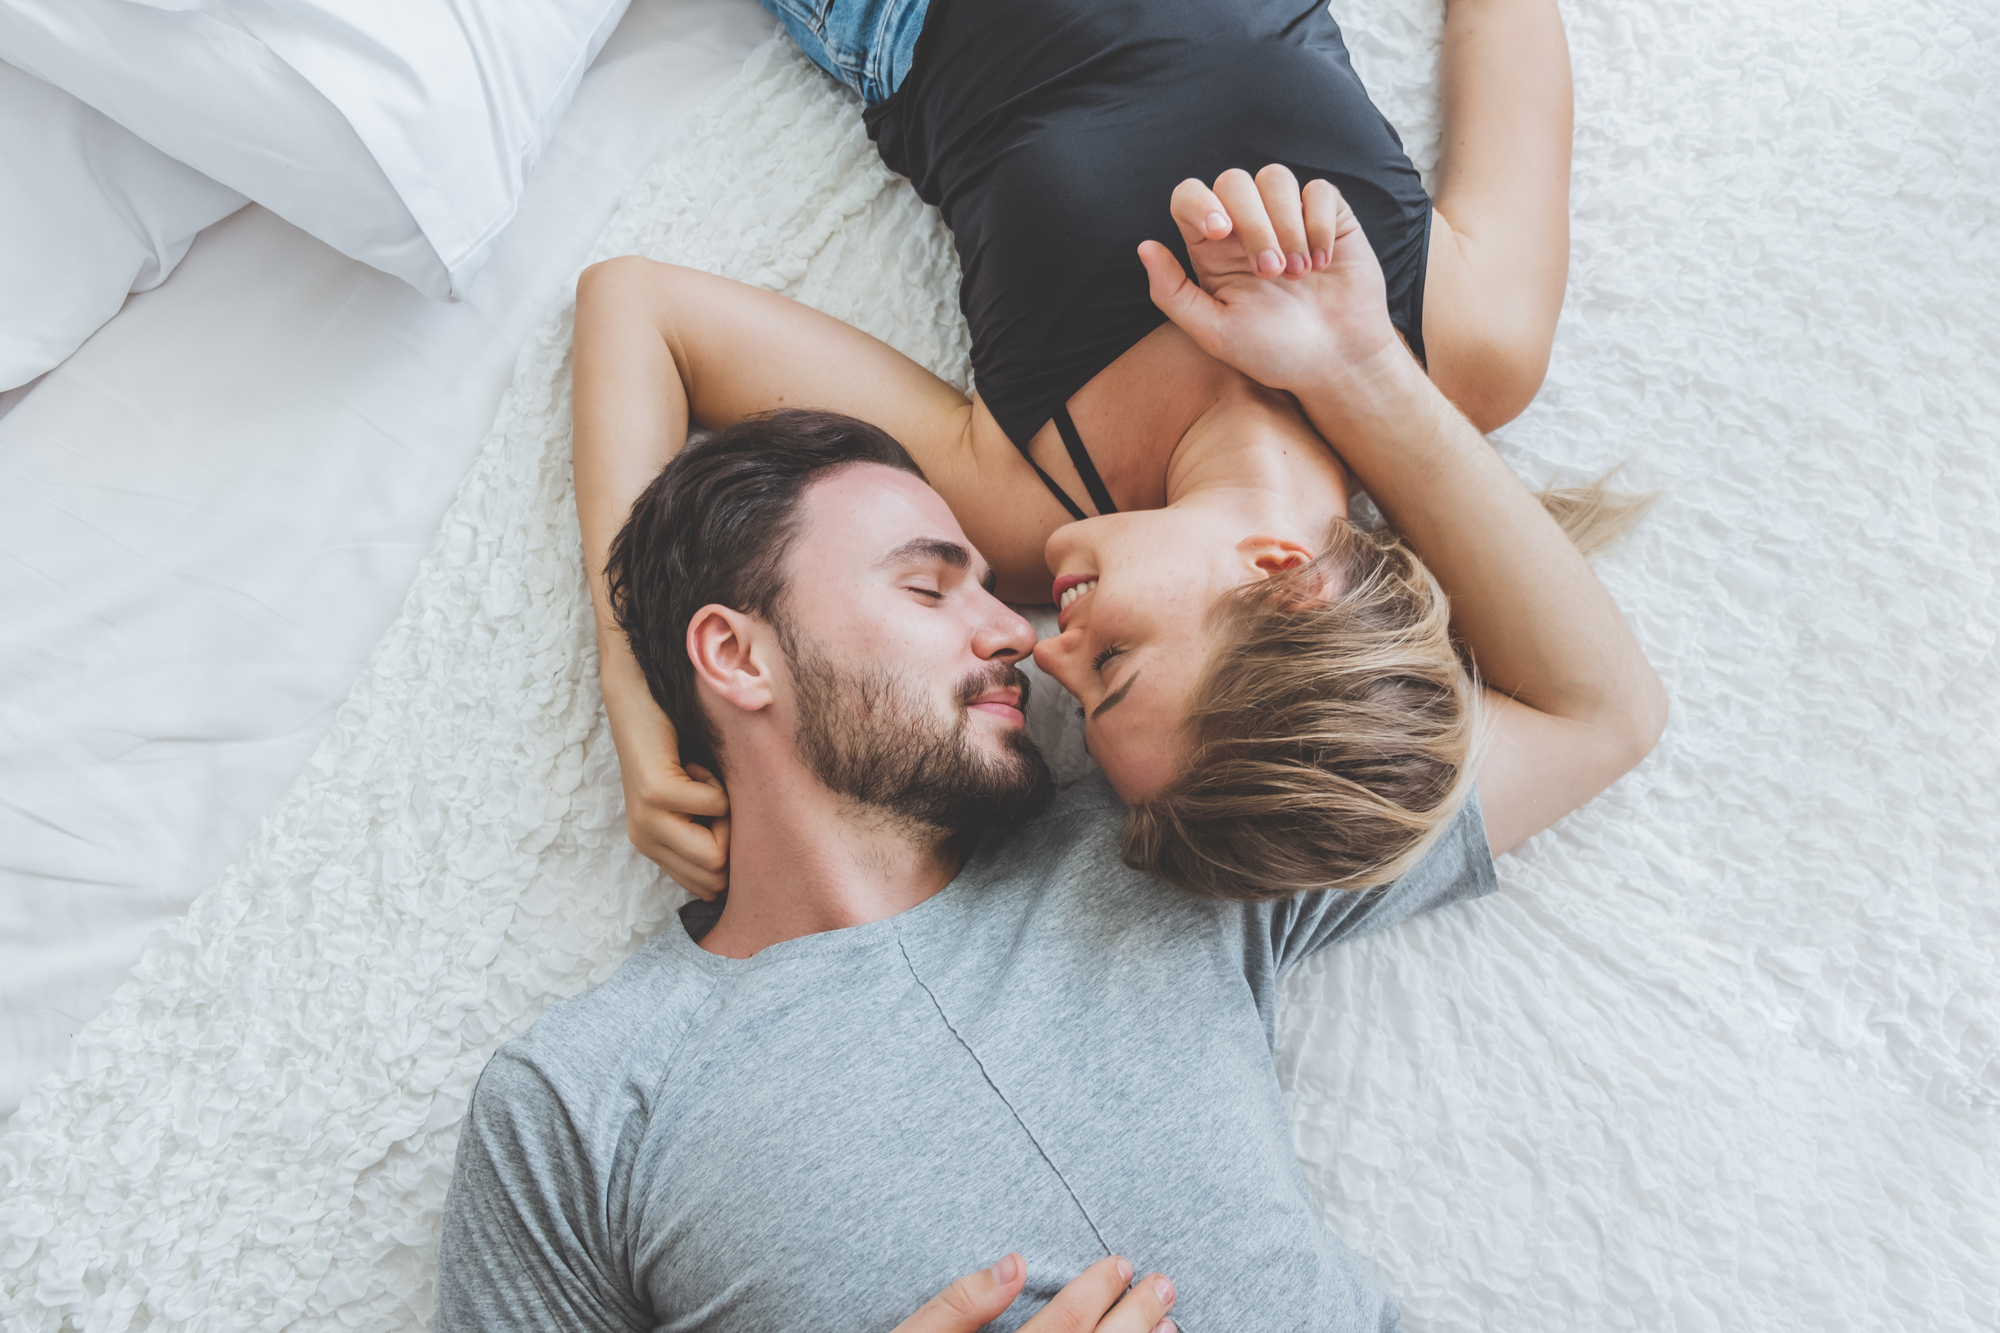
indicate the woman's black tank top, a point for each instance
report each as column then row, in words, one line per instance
column 1051, row 135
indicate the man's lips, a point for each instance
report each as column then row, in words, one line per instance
column 1002, row 703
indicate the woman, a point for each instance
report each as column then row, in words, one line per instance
column 1276, row 695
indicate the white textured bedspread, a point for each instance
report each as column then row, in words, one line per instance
column 1725, row 1053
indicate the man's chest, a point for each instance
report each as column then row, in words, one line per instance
column 851, row 1150
column 849, row 1177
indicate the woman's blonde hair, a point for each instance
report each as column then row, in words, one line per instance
column 1331, row 738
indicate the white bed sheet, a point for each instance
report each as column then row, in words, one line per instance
column 209, row 514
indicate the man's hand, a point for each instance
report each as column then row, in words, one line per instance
column 1097, row 1301
column 1286, row 287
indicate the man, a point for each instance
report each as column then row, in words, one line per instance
column 931, row 1021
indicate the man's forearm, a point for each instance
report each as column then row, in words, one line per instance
column 1540, row 626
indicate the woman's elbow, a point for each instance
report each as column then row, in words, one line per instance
column 1490, row 369
column 1644, row 718
column 609, row 282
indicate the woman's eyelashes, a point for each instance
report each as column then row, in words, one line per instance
column 1097, row 662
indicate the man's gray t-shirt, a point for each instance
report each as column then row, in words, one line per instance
column 1055, row 1054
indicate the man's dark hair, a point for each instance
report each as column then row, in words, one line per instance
column 717, row 525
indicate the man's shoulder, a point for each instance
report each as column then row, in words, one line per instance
column 1079, row 810
column 1081, row 824
column 617, row 1038
column 1067, row 862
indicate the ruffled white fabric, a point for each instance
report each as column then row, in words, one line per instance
column 1726, row 1052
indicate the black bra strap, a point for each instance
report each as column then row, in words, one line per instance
column 1084, row 467
column 1075, row 509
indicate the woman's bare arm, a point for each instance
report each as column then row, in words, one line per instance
column 1499, row 248
column 660, row 348
column 1574, row 702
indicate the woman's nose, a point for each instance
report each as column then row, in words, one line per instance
column 1051, row 656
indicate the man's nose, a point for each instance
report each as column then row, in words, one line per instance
column 1003, row 635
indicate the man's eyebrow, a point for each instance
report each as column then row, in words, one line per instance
column 919, row 550
column 1115, row 698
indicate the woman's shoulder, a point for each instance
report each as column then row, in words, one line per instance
column 1003, row 506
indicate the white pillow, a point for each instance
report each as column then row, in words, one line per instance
column 400, row 132
column 88, row 214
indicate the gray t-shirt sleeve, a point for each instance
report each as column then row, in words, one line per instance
column 1458, row 865
column 526, row 1243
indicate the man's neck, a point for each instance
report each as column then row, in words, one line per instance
column 803, row 861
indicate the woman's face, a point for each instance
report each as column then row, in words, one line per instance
column 1132, row 592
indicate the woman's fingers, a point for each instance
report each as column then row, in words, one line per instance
column 972, row 1302
column 1101, row 1299
column 1198, row 213
column 1251, row 222
column 1143, row 1309
column 679, row 820
column 687, row 853
column 695, row 791
column 1328, row 218
column 1269, row 215
column 1079, row 1307
column 1279, row 190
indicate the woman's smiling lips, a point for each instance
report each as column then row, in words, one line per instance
column 1070, row 589
column 1065, row 583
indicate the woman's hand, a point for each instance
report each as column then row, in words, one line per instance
column 678, row 817
column 1096, row 1301
column 1286, row 287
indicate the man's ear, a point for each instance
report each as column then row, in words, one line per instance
column 732, row 656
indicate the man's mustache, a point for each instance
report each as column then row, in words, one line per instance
column 999, row 676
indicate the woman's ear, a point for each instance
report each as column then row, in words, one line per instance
column 730, row 651
column 1270, row 555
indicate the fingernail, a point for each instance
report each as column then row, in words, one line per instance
column 1165, row 1291
column 1124, row 1269
column 1270, row 263
column 1319, row 259
column 1166, row 1326
column 1218, row 224
column 1295, row 266
column 1006, row 1270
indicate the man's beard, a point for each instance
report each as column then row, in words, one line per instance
column 873, row 736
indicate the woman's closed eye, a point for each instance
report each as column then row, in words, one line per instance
column 1114, row 696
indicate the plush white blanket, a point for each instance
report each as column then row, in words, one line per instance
column 1724, row 1053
